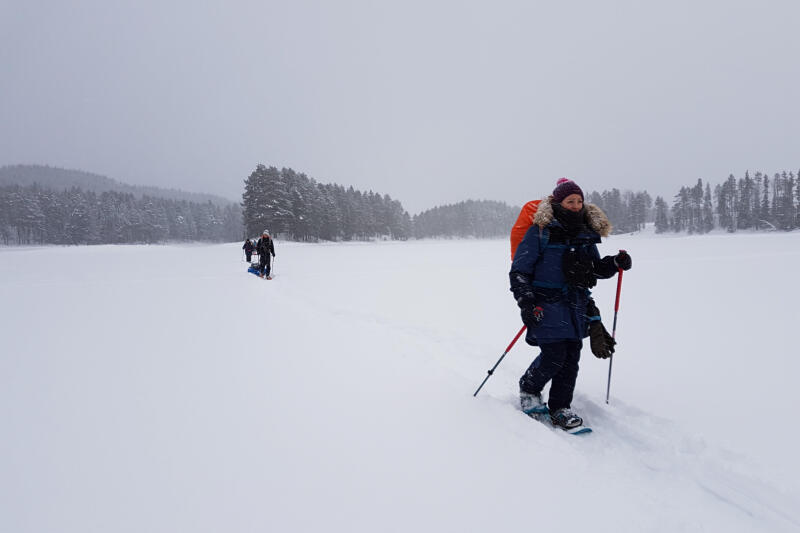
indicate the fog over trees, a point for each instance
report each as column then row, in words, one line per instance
column 41, row 205
column 33, row 215
column 46, row 205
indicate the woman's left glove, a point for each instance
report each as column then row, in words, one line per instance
column 623, row 260
column 601, row 341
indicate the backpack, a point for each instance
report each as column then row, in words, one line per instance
column 524, row 221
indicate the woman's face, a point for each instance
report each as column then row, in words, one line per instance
column 573, row 202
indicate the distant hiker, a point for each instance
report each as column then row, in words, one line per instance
column 554, row 267
column 248, row 248
column 266, row 251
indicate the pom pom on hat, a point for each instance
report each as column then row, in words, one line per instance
column 565, row 187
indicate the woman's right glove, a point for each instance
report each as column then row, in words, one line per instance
column 532, row 316
column 601, row 341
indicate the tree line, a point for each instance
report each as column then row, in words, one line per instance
column 471, row 218
column 292, row 206
column 295, row 207
column 748, row 203
column 628, row 211
column 35, row 215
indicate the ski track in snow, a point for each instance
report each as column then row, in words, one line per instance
column 645, row 440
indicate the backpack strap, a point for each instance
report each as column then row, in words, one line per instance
column 544, row 238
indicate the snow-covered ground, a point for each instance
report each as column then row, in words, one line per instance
column 163, row 389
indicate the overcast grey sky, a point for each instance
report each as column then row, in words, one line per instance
column 430, row 102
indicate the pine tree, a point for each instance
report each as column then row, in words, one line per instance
column 787, row 211
column 5, row 217
column 29, row 219
column 745, row 203
column 732, row 203
column 797, row 196
column 694, row 209
column 255, row 214
column 727, row 203
column 765, row 211
column 680, row 210
column 301, row 201
column 662, row 222
column 777, row 200
column 641, row 204
column 615, row 211
column 708, row 211
column 78, row 223
column 329, row 215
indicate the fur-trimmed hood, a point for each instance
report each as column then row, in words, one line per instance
column 595, row 217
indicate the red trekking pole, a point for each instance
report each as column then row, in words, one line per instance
column 614, row 331
column 491, row 371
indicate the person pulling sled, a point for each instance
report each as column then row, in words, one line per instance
column 554, row 268
column 266, row 251
column 248, row 248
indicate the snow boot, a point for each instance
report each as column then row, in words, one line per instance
column 532, row 404
column 565, row 419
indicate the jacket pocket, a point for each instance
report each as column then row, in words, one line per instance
column 556, row 319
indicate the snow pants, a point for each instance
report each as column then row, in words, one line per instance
column 557, row 362
column 249, row 255
column 264, row 264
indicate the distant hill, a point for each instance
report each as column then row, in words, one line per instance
column 61, row 178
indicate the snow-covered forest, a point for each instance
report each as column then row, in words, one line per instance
column 34, row 215
column 299, row 208
column 295, row 207
column 466, row 219
column 49, row 205
column 747, row 203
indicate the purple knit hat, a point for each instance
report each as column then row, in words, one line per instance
column 565, row 187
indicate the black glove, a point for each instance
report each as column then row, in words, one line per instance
column 623, row 260
column 532, row 316
column 601, row 341
column 526, row 299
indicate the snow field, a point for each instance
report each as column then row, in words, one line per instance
column 161, row 388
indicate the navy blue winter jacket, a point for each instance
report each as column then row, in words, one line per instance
column 537, row 277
